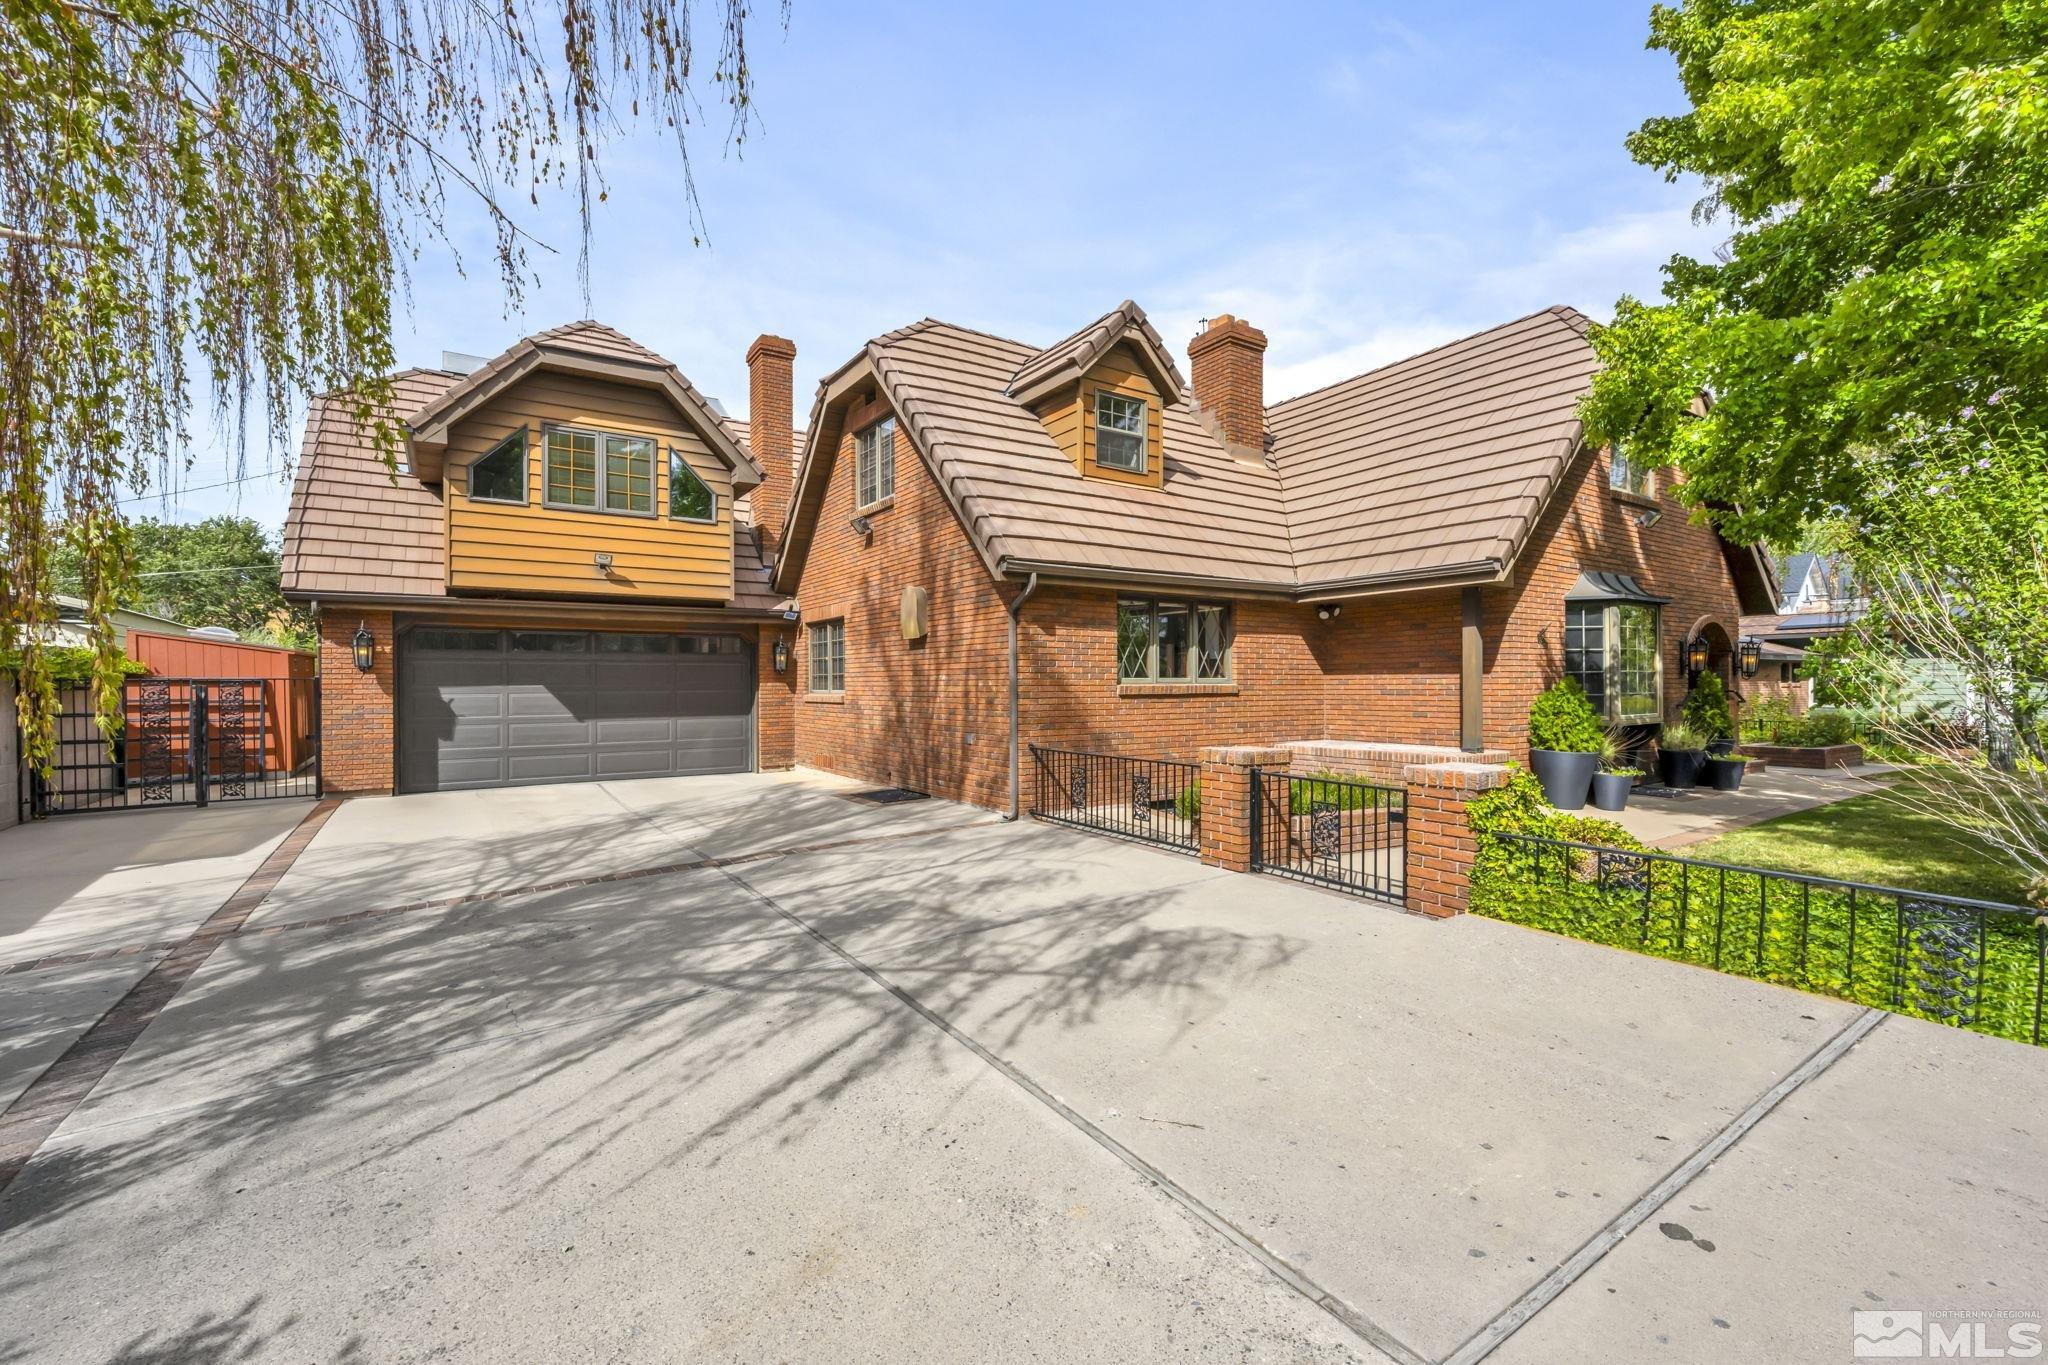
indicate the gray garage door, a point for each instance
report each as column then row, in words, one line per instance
column 502, row 708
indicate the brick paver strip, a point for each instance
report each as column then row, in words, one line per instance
column 52, row 1096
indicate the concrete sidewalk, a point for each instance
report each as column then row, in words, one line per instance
column 1694, row 816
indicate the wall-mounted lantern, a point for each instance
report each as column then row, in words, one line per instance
column 1696, row 655
column 781, row 654
column 365, row 648
column 1751, row 651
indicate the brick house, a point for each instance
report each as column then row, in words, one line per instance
column 993, row 545
column 583, row 569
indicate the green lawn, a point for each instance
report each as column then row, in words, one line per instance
column 1874, row 838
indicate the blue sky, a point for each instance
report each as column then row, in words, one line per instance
column 1362, row 181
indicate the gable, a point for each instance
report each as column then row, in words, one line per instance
column 1069, row 413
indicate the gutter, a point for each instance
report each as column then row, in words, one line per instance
column 1015, row 608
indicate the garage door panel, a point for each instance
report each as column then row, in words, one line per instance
column 487, row 719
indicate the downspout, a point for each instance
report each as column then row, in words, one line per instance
column 1016, row 609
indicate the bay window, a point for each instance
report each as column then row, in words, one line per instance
column 1610, row 648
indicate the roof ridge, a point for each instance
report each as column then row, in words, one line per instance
column 975, row 331
column 1558, row 309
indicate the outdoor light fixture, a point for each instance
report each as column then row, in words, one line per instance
column 1329, row 613
column 603, row 562
column 781, row 654
column 365, row 647
column 1752, row 652
column 1696, row 655
column 861, row 526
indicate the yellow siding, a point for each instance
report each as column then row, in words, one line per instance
column 498, row 547
column 1069, row 419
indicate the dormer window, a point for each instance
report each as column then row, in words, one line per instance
column 499, row 475
column 689, row 497
column 1119, row 432
column 572, row 471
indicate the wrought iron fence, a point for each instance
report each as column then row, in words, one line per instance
column 1329, row 829
column 1975, row 964
column 183, row 742
column 1156, row 800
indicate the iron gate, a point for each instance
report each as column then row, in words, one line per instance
column 183, row 742
column 1331, row 830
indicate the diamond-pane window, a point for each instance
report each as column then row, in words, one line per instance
column 1172, row 641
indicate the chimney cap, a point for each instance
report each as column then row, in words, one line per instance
column 769, row 344
column 1226, row 327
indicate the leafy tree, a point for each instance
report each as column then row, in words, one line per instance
column 1883, row 165
column 222, row 195
column 219, row 572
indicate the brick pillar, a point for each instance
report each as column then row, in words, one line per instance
column 771, row 363
column 357, row 752
column 1440, row 842
column 1228, row 360
column 775, row 702
column 1227, row 801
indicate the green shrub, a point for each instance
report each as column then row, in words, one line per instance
column 1188, row 805
column 1817, row 728
column 70, row 665
column 1706, row 708
column 1519, row 807
column 1764, row 718
column 1562, row 720
column 1681, row 739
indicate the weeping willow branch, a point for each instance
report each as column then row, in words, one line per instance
column 217, row 200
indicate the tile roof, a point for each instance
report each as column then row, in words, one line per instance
column 1066, row 360
column 1432, row 468
column 1023, row 500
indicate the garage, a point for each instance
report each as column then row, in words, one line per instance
column 507, row 708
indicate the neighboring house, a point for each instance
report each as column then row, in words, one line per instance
column 582, row 570
column 560, row 583
column 1407, row 556
column 71, row 627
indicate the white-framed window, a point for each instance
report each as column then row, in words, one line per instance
column 689, row 497
column 1625, row 475
column 1168, row 641
column 1612, row 649
column 1119, row 431
column 499, row 474
column 599, row 471
column 874, row 463
column 828, row 656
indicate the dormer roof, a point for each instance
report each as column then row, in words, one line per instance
column 1067, row 360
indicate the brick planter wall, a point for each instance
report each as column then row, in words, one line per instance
column 1820, row 756
column 1385, row 765
column 1441, row 845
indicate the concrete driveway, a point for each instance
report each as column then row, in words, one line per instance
column 939, row 1088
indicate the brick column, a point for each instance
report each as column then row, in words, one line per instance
column 356, row 741
column 775, row 702
column 1440, row 842
column 1227, row 801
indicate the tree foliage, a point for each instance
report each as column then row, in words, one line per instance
column 221, row 195
column 1883, row 166
column 222, row 571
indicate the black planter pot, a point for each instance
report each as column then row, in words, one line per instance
column 1680, row 767
column 1610, row 790
column 1717, row 747
column 1566, row 778
column 1725, row 773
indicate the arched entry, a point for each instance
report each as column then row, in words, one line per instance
column 1720, row 658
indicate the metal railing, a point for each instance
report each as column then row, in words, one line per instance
column 1334, row 830
column 1155, row 800
column 1974, row 964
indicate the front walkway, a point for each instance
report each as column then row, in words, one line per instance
column 1700, row 814
column 933, row 1087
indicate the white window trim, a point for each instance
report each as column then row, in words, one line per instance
column 1143, row 432
column 603, row 503
column 870, row 458
column 524, row 437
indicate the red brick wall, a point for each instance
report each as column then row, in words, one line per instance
column 356, row 753
column 931, row 714
column 1228, row 364
column 774, row 703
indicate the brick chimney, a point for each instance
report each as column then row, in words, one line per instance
column 771, row 364
column 1229, row 362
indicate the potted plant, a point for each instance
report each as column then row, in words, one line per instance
column 1612, row 783
column 1724, row 771
column 1564, row 743
column 1680, row 752
column 1705, row 713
